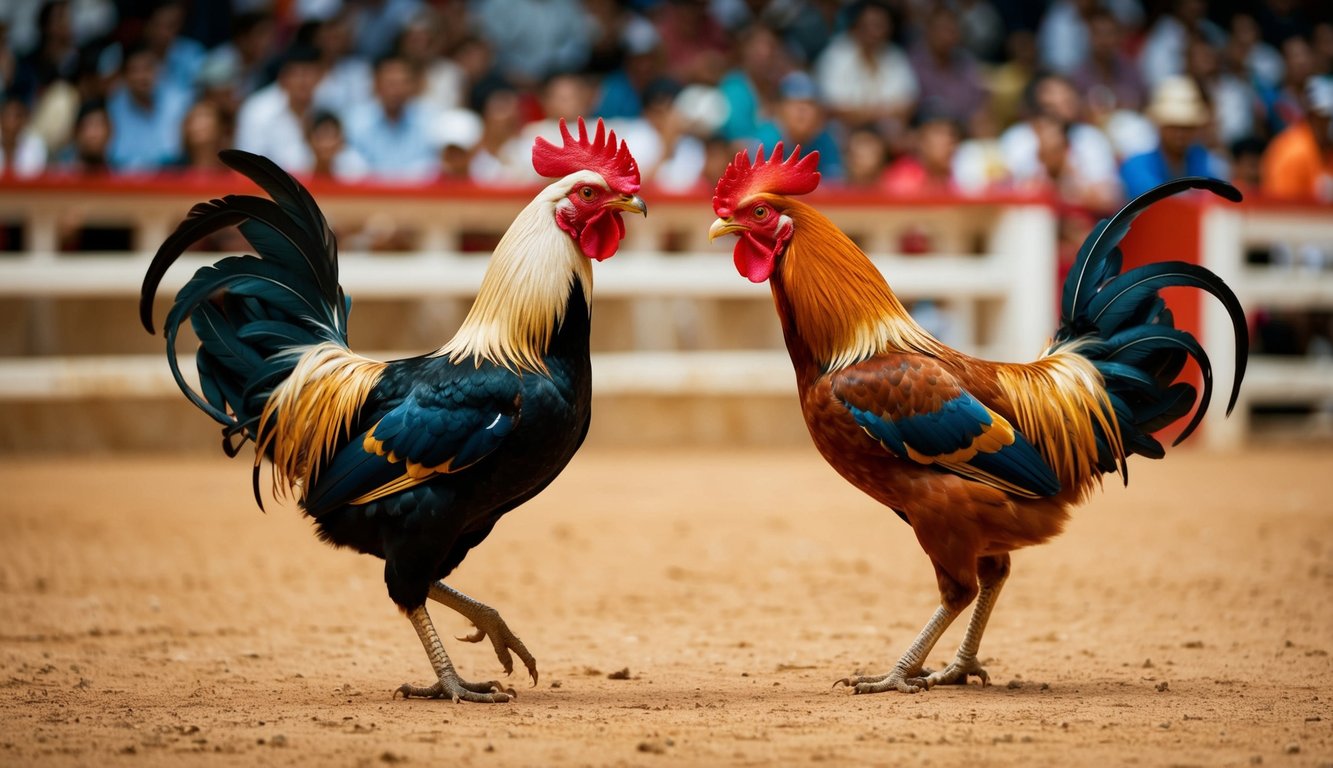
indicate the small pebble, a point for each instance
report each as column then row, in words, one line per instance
column 1163, row 686
column 1293, row 748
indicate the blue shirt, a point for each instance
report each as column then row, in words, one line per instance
column 1143, row 172
column 743, row 119
column 146, row 139
column 619, row 99
column 401, row 150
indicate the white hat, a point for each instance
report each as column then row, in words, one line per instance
column 1176, row 101
column 456, row 127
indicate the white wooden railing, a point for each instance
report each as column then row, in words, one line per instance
column 990, row 267
column 1228, row 234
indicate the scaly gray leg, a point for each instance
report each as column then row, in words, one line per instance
column 488, row 622
column 449, row 683
column 993, row 573
column 904, row 676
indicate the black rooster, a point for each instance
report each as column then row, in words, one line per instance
column 412, row 460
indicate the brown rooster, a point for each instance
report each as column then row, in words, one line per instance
column 980, row 458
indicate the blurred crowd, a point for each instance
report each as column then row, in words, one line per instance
column 1091, row 101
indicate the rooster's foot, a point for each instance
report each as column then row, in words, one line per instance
column 893, row 681
column 488, row 623
column 955, row 674
column 455, row 688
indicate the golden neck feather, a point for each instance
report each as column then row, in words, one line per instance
column 839, row 304
column 525, row 292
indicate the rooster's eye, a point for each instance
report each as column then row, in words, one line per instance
column 760, row 211
column 586, row 192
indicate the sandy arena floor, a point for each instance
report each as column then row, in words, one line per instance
column 153, row 617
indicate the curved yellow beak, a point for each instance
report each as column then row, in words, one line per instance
column 723, row 227
column 631, row 203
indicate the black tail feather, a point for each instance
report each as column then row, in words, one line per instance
column 248, row 310
column 1119, row 321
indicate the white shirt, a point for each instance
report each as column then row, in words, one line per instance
column 846, row 81
column 29, row 156
column 267, row 126
column 1089, row 152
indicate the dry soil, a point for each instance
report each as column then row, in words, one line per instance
column 152, row 616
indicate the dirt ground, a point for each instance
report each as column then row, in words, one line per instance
column 151, row 616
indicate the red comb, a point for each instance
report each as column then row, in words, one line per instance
column 604, row 155
column 775, row 176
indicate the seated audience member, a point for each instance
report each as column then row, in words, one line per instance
column 1180, row 114
column 86, row 154
column 272, row 120
column 203, row 135
column 22, row 152
column 393, row 132
column 950, row 81
column 146, row 113
column 927, row 168
column 333, row 159
column 669, row 156
column 863, row 77
column 1298, row 164
column 456, row 133
column 800, row 119
column 752, row 87
column 865, row 160
column 1055, row 137
column 1247, row 165
column 503, row 155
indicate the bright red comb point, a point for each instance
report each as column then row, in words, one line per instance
column 602, row 154
column 774, row 175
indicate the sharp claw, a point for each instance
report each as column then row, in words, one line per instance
column 847, row 681
column 475, row 637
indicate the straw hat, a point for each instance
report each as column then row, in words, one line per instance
column 1176, row 101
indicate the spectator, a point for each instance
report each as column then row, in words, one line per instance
column 801, row 120
column 1236, row 106
column 345, row 82
column 271, row 121
column 979, row 163
column 949, row 79
column 376, row 24
column 22, row 153
column 180, row 58
column 393, row 132
column 1164, row 48
column 1298, row 164
column 146, row 113
column 1180, row 114
column 1287, row 104
column 1008, row 82
column 866, row 159
column 533, row 39
column 442, row 79
column 457, row 132
column 1054, row 148
column 1247, row 165
column 696, row 45
column 240, row 63
column 928, row 167
column 203, row 135
column 1247, row 52
column 86, row 154
column 502, row 157
column 669, row 157
column 623, row 90
column 751, row 89
column 1064, row 36
column 55, row 56
column 863, row 77
column 331, row 157
column 1108, row 78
